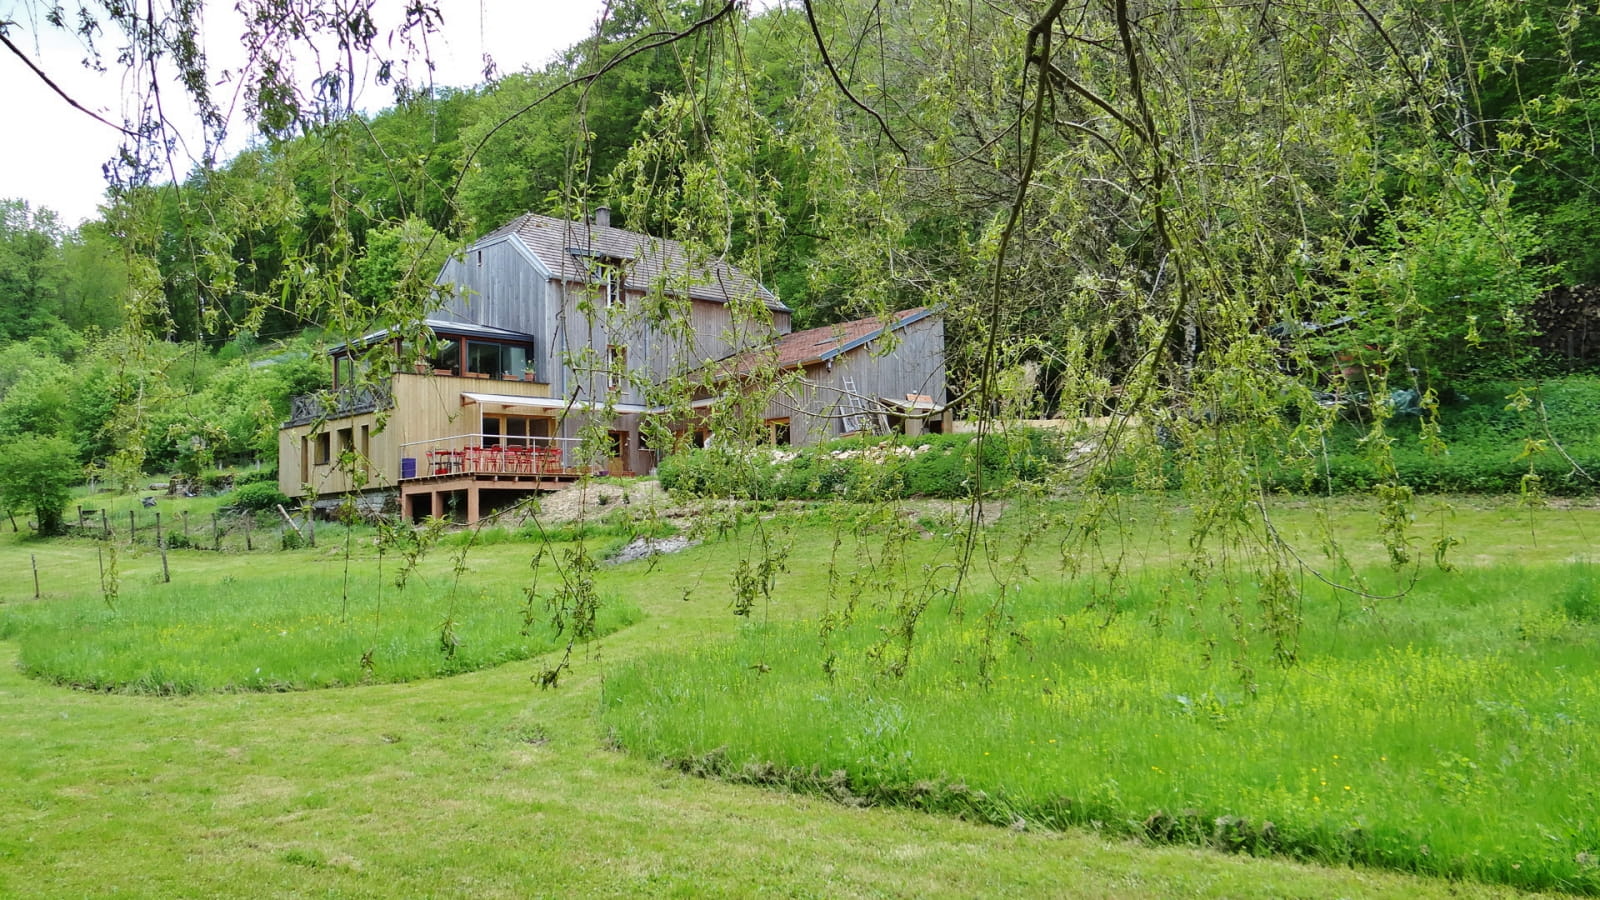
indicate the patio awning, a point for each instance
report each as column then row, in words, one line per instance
column 547, row 404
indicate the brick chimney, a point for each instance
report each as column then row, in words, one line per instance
column 602, row 216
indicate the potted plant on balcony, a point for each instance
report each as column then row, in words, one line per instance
column 527, row 373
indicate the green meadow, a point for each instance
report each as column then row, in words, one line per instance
column 1117, row 735
column 1451, row 733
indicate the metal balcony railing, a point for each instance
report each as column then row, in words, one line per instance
column 347, row 401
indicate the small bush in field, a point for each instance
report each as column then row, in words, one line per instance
column 259, row 496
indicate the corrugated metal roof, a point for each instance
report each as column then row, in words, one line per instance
column 567, row 247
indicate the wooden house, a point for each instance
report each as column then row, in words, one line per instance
column 552, row 330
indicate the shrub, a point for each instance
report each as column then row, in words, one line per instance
column 258, row 497
column 268, row 475
column 862, row 468
column 177, row 540
column 38, row 473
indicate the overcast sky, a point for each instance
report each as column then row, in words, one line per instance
column 51, row 154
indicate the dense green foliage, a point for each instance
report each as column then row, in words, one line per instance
column 865, row 469
column 38, row 472
column 258, row 496
column 1499, row 437
column 1446, row 734
column 128, row 406
column 54, row 279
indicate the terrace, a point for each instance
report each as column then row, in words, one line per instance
column 472, row 474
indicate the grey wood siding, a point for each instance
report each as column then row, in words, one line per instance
column 497, row 285
column 914, row 366
column 584, row 330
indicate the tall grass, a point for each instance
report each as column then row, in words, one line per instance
column 289, row 632
column 1453, row 732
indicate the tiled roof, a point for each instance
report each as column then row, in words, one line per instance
column 566, row 246
column 816, row 345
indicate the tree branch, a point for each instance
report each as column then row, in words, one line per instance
column 827, row 62
column 16, row 51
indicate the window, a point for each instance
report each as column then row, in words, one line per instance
column 611, row 284
column 778, row 432
column 515, row 431
column 324, row 448
column 347, row 440
column 447, row 355
column 472, row 356
column 616, row 366
column 606, row 273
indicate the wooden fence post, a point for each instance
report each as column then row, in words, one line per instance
column 35, row 560
column 249, row 519
column 105, row 525
column 166, row 575
column 216, row 536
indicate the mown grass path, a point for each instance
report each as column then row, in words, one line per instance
column 483, row 785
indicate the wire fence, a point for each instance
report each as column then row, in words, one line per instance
column 223, row 531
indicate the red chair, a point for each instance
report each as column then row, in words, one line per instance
column 549, row 460
column 519, row 461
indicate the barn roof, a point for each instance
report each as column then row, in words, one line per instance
column 815, row 345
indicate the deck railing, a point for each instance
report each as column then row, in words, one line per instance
column 489, row 454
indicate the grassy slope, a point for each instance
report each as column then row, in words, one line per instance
column 484, row 785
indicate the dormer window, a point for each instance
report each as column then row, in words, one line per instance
column 610, row 277
column 606, row 272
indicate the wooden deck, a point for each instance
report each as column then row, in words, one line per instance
column 472, row 487
column 471, row 473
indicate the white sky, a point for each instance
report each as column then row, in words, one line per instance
column 51, row 154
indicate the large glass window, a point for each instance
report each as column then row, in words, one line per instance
column 447, row 355
column 484, row 358
column 472, row 356
column 497, row 360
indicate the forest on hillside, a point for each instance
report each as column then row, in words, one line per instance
column 1120, row 204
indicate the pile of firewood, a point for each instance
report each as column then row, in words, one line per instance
column 1567, row 320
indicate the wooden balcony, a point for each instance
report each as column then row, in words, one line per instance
column 474, row 467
